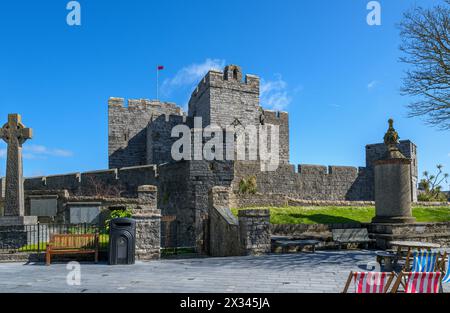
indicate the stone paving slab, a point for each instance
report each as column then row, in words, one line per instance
column 324, row 271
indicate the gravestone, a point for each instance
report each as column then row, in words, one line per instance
column 84, row 212
column 44, row 205
column 14, row 133
column 393, row 183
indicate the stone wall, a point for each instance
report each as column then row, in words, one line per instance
column 148, row 224
column 254, row 231
column 2, row 187
column 320, row 232
column 113, row 182
column 223, row 225
column 159, row 139
column 280, row 119
column 311, row 182
column 228, row 236
column 127, row 134
column 383, row 233
column 222, row 97
column 425, row 232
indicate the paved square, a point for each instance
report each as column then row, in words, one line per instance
column 324, row 271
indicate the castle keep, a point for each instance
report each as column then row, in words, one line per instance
column 140, row 154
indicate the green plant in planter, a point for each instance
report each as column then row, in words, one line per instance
column 117, row 214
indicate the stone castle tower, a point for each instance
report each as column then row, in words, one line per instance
column 140, row 134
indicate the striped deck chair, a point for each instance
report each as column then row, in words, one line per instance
column 422, row 261
column 419, row 282
column 446, row 270
column 370, row 282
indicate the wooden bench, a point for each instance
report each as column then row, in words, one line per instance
column 72, row 244
column 352, row 235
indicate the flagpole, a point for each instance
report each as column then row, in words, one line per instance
column 157, row 82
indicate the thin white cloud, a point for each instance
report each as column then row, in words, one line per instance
column 274, row 94
column 43, row 150
column 31, row 152
column 372, row 84
column 334, row 105
column 190, row 75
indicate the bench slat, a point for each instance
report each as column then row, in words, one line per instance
column 72, row 244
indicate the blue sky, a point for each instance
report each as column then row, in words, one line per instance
column 338, row 77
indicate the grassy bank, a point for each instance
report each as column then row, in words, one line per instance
column 339, row 215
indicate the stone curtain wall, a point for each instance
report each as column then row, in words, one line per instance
column 127, row 129
column 311, row 182
column 124, row 181
column 228, row 236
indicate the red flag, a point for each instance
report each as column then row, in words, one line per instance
column 160, row 67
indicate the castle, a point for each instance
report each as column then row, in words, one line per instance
column 140, row 133
column 140, row 154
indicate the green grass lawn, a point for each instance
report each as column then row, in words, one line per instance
column 340, row 215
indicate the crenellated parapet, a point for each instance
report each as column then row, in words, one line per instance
column 222, row 97
column 113, row 182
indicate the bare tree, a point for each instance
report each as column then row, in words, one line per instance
column 97, row 188
column 425, row 45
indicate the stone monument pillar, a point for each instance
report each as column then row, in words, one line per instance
column 393, row 183
column 14, row 133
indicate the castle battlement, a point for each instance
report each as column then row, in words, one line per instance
column 276, row 115
column 230, row 77
column 332, row 170
column 143, row 104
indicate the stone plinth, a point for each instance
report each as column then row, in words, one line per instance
column 424, row 232
column 393, row 191
column 254, row 229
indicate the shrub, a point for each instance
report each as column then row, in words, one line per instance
column 248, row 186
column 117, row 214
column 430, row 186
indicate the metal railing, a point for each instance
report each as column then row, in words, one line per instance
column 170, row 245
column 34, row 238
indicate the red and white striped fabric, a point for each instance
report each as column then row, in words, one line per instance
column 370, row 282
column 423, row 282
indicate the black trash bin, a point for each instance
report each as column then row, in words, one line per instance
column 122, row 241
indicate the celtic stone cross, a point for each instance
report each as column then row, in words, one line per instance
column 14, row 134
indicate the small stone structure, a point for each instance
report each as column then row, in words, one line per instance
column 228, row 236
column 148, row 225
column 254, row 230
column 393, row 183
